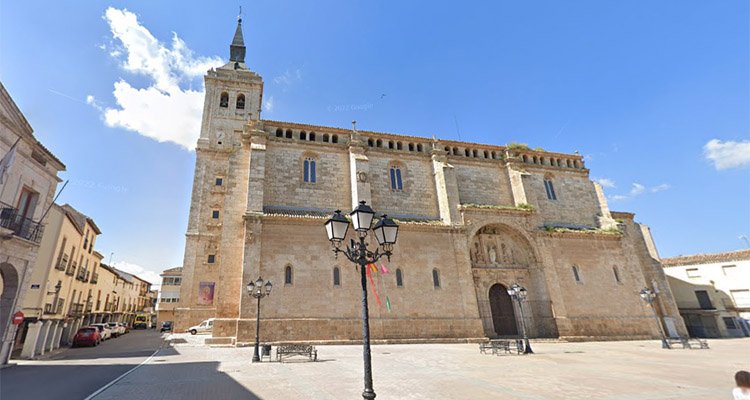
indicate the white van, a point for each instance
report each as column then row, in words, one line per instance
column 203, row 327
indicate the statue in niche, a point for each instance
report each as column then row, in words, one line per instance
column 477, row 256
column 493, row 254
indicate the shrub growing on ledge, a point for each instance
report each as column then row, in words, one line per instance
column 518, row 146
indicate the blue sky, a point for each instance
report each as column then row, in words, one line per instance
column 655, row 95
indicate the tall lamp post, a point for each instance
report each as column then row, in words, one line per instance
column 649, row 297
column 519, row 293
column 258, row 289
column 386, row 231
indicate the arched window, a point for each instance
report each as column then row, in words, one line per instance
column 336, row 276
column 487, row 154
column 435, row 278
column 288, row 133
column 411, row 146
column 396, row 182
column 224, row 100
column 576, row 274
column 309, row 172
column 302, row 135
column 569, row 164
column 536, row 160
column 325, row 138
column 419, row 147
column 467, row 152
column 279, row 133
column 390, row 144
column 240, row 101
column 399, row 278
column 550, row 189
column 312, row 136
column 370, row 143
column 541, row 160
column 288, row 275
column 455, row 151
column 335, row 138
column 399, row 146
column 525, row 158
column 379, row 143
column 617, row 274
column 475, row 154
column 576, row 164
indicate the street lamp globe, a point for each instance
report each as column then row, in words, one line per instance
column 250, row 288
column 386, row 231
column 336, row 227
column 362, row 217
column 269, row 286
column 647, row 295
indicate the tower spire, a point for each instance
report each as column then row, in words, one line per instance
column 237, row 48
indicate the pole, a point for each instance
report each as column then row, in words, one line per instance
column 664, row 344
column 256, row 356
column 527, row 345
column 368, row 393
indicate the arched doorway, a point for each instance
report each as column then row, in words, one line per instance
column 503, row 314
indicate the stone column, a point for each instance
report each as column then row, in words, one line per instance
column 51, row 333
column 359, row 172
column 43, row 337
column 446, row 186
column 33, row 333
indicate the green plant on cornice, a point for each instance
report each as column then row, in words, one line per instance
column 608, row 231
column 539, row 149
column 518, row 146
column 523, row 206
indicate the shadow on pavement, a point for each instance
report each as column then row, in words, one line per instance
column 41, row 382
column 178, row 381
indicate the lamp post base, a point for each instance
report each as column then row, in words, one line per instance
column 665, row 344
column 368, row 394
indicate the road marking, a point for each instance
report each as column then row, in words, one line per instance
column 107, row 386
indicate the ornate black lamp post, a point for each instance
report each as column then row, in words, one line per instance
column 258, row 289
column 385, row 232
column 519, row 293
column 649, row 297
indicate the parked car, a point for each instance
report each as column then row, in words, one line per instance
column 166, row 326
column 125, row 326
column 104, row 330
column 203, row 327
column 117, row 328
column 87, row 336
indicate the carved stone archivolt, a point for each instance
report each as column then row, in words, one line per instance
column 498, row 246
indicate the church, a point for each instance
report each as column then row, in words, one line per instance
column 474, row 219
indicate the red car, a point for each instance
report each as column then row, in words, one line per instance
column 87, row 336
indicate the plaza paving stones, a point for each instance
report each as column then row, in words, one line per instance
column 599, row 370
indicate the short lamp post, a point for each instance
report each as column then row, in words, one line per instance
column 519, row 293
column 386, row 231
column 649, row 297
column 258, row 289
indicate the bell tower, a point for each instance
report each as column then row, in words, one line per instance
column 234, row 95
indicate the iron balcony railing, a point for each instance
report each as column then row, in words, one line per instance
column 94, row 278
column 21, row 226
column 89, row 306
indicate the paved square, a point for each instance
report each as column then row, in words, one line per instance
column 601, row 370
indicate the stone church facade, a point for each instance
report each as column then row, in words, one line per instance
column 474, row 219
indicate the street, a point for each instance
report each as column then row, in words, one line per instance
column 77, row 372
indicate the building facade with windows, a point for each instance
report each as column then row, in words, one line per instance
column 712, row 292
column 169, row 294
column 28, row 181
column 474, row 219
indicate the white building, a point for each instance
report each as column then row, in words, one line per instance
column 28, row 181
column 712, row 292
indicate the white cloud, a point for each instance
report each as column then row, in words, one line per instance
column 661, row 188
column 268, row 104
column 288, row 78
column 605, row 182
column 162, row 111
column 638, row 189
column 139, row 271
column 729, row 154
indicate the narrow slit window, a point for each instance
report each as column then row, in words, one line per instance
column 399, row 278
column 288, row 275
column 576, row 274
column 336, row 276
column 435, row 278
column 550, row 188
column 396, row 181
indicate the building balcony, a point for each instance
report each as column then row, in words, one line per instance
column 76, row 309
column 94, row 278
column 22, row 227
column 83, row 275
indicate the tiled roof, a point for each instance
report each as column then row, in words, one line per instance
column 694, row 259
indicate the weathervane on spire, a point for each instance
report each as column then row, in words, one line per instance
column 239, row 16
